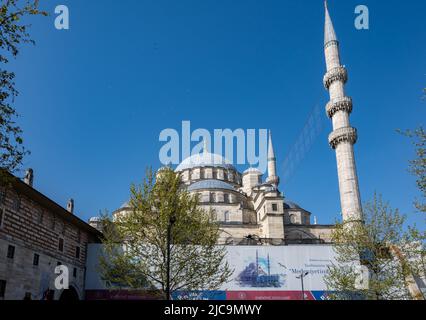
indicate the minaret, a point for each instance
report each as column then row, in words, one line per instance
column 344, row 136
column 272, row 164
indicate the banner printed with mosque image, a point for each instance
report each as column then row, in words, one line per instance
column 257, row 274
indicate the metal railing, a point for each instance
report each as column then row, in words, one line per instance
column 269, row 241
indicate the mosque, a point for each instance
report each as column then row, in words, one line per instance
column 248, row 208
column 262, row 230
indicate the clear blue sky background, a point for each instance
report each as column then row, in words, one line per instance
column 95, row 98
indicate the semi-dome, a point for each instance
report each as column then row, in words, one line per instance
column 253, row 171
column 204, row 159
column 210, row 184
column 125, row 205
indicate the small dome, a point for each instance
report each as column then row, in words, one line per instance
column 204, row 159
column 253, row 171
column 125, row 205
column 95, row 219
column 210, row 184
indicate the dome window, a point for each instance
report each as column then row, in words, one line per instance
column 226, row 198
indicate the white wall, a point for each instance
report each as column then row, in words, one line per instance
column 312, row 258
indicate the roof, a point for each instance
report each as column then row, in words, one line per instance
column 25, row 189
column 210, row 184
column 291, row 205
column 204, row 159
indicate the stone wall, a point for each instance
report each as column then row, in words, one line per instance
column 32, row 229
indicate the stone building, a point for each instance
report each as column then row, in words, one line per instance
column 37, row 235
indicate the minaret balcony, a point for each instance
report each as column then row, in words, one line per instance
column 339, row 104
column 331, row 43
column 335, row 74
column 346, row 134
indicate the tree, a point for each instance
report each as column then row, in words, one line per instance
column 13, row 33
column 136, row 243
column 381, row 245
column 418, row 165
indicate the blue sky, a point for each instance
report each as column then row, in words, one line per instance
column 95, row 98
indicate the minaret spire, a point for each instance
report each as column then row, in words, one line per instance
column 329, row 33
column 344, row 136
column 272, row 164
column 271, row 153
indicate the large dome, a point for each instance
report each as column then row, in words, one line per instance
column 204, row 159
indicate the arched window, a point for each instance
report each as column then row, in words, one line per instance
column 293, row 219
column 230, row 176
column 226, row 197
column 212, row 197
column 226, row 217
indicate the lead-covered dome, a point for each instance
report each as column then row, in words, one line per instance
column 204, row 159
column 210, row 184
